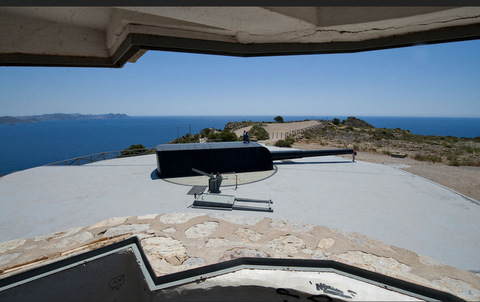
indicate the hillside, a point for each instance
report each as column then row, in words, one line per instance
column 57, row 116
column 14, row 120
column 364, row 137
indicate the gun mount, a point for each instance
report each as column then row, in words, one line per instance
column 214, row 181
column 177, row 160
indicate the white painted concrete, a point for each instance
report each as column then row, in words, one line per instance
column 376, row 200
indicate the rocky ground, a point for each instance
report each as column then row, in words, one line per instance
column 449, row 150
column 178, row 241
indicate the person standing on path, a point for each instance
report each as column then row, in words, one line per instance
column 245, row 137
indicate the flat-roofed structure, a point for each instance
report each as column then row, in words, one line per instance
column 412, row 224
column 382, row 202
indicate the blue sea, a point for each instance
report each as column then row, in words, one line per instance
column 24, row 146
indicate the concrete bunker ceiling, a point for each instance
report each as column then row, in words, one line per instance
column 112, row 36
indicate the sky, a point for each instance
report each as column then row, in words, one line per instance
column 425, row 80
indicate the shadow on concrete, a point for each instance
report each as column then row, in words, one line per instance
column 154, row 175
column 314, row 162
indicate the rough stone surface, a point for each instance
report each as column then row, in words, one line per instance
column 109, row 222
column 174, row 260
column 202, row 229
column 148, row 216
column 126, row 229
column 196, row 240
column 382, row 265
column 144, row 236
column 429, row 261
column 57, row 235
column 236, row 219
column 6, row 258
column 194, row 262
column 216, row 242
column 70, row 242
column 177, row 218
column 319, row 255
column 10, row 245
column 459, row 286
column 248, row 235
column 326, row 243
column 165, row 247
column 243, row 252
column 291, row 225
column 287, row 245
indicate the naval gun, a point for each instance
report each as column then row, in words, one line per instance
column 177, row 160
column 214, row 200
column 292, row 154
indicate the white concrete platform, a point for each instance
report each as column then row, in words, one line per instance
column 379, row 201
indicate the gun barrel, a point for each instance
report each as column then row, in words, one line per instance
column 282, row 155
column 203, row 173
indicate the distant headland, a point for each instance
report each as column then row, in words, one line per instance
column 58, row 116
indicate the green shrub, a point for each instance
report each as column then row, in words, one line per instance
column 470, row 162
column 259, row 132
column 453, row 139
column 212, row 136
column 186, row 139
column 430, row 157
column 227, row 136
column 453, row 159
column 223, row 136
column 134, row 150
column 205, row 132
column 286, row 143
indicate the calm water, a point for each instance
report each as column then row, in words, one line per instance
column 29, row 145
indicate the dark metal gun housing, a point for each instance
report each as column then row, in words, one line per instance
column 283, row 155
column 177, row 160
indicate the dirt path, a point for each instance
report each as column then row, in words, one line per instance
column 465, row 180
column 278, row 131
column 239, row 132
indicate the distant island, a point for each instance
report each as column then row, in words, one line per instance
column 58, row 116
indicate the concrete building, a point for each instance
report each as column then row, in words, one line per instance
column 375, row 218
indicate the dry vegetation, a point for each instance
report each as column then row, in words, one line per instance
column 363, row 137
